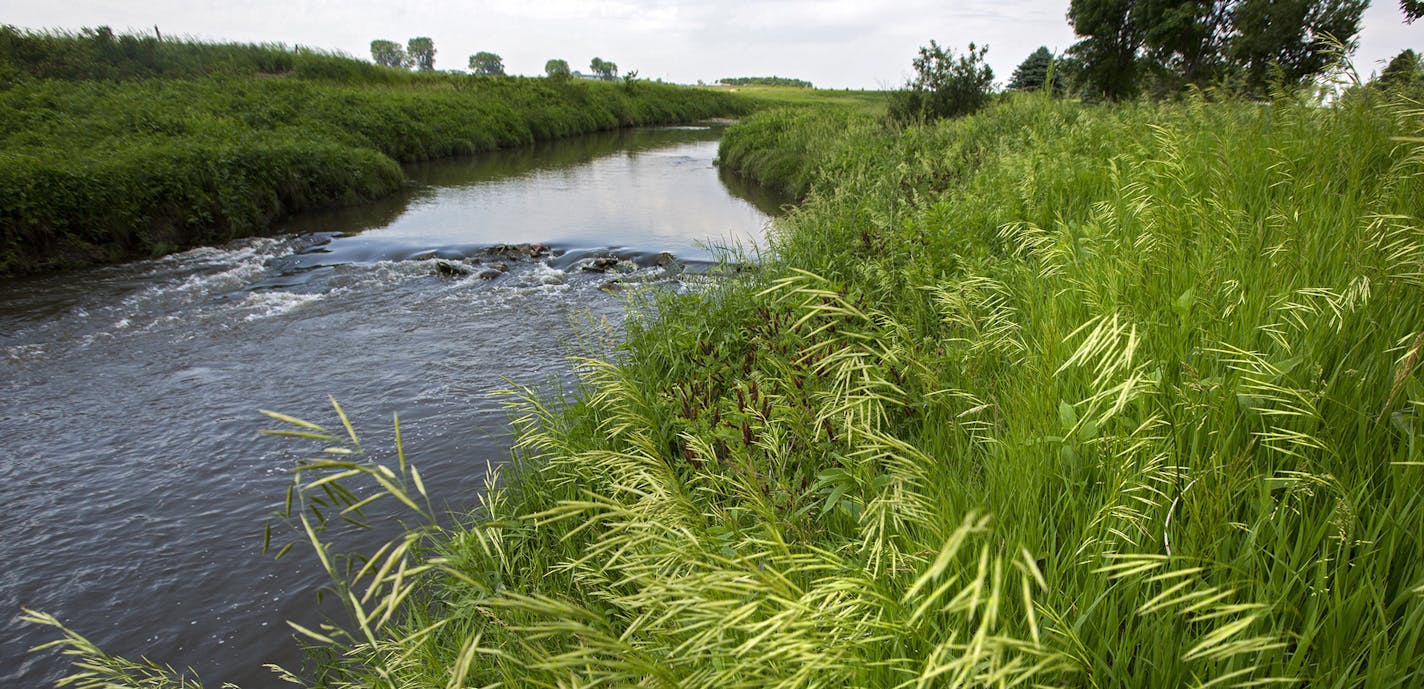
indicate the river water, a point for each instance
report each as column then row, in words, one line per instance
column 134, row 485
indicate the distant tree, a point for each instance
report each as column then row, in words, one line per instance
column 487, row 64
column 1034, row 72
column 557, row 69
column 388, row 53
column 421, row 52
column 766, row 81
column 1403, row 71
column 605, row 70
column 1112, row 35
column 1283, row 37
column 944, row 85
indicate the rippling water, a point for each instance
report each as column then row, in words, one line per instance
column 133, row 484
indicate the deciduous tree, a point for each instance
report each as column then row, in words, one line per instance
column 605, row 70
column 945, row 85
column 556, row 69
column 1112, row 34
column 1286, row 35
column 421, row 53
column 487, row 64
column 388, row 53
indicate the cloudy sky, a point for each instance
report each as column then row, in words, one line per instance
column 834, row 43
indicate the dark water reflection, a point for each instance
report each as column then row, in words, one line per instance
column 133, row 484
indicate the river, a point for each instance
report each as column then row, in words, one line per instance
column 134, row 485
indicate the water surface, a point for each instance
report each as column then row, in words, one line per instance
column 134, row 486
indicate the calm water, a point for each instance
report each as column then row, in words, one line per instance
column 133, row 483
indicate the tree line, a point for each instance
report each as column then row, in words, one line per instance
column 1161, row 48
column 766, row 81
column 419, row 54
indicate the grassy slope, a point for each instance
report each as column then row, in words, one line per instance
column 190, row 144
column 868, row 102
column 1097, row 397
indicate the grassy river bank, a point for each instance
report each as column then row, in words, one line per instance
column 114, row 148
column 1052, row 395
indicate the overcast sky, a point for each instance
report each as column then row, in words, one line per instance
column 833, row 43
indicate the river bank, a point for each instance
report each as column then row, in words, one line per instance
column 131, row 161
column 1103, row 396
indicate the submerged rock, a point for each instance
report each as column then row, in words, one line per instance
column 667, row 262
column 600, row 264
column 452, row 269
column 518, row 251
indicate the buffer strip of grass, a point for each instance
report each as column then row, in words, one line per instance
column 1053, row 395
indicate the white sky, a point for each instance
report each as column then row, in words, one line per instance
column 833, row 43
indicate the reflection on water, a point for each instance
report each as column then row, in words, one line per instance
column 133, row 483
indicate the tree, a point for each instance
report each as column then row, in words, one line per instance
column 487, row 64
column 388, row 53
column 1035, row 71
column 1403, row 71
column 557, row 69
column 1112, row 35
column 1186, row 39
column 1284, row 37
column 1413, row 9
column 420, row 51
column 944, row 86
column 605, row 70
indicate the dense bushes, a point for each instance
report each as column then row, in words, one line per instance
column 99, row 170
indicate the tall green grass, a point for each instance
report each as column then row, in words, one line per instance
column 1053, row 395
column 97, row 170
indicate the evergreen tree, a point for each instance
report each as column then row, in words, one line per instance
column 1034, row 72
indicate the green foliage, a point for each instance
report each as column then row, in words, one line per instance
column 944, row 85
column 1403, row 72
column 1166, row 45
column 604, row 69
column 99, row 171
column 100, row 55
column 421, row 52
column 1112, row 36
column 766, row 81
column 557, row 69
column 487, row 64
column 1034, row 73
column 389, row 54
column 1284, row 37
column 1413, row 9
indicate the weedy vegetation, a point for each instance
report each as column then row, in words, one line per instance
column 1050, row 395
